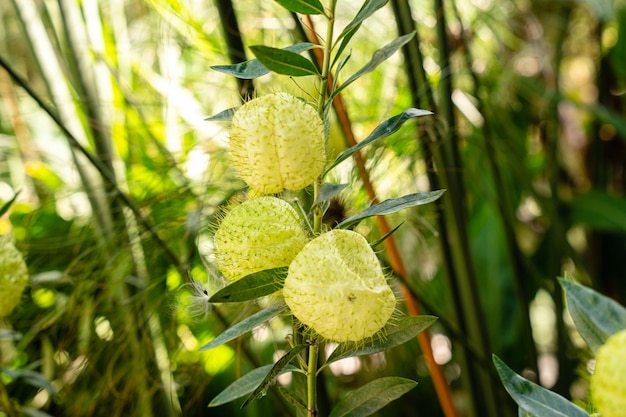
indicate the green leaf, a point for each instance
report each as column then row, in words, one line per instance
column 273, row 373
column 284, row 62
column 394, row 335
column 340, row 66
column 534, row 398
column 302, row 6
column 246, row 384
column 344, row 43
column 599, row 210
column 6, row 206
column 254, row 68
column 252, row 286
column 372, row 397
column 393, row 205
column 328, row 191
column 382, row 239
column 6, row 334
column 33, row 412
column 523, row 413
column 381, row 131
column 292, row 398
column 368, row 9
column 379, row 57
column 596, row 316
column 245, row 325
column 223, row 116
column 31, row 378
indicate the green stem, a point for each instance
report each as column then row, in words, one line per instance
column 317, row 209
column 311, row 379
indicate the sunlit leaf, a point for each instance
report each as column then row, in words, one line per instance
column 284, row 62
column 276, row 370
column 6, row 206
column 372, row 397
column 596, row 316
column 252, row 286
column 393, row 205
column 379, row 57
column 245, row 325
column 534, row 398
column 368, row 9
column 302, row 6
column 381, row 131
column 246, row 384
column 329, row 191
column 223, row 116
column 254, row 68
column 395, row 334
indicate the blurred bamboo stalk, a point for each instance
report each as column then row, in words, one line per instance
column 445, row 171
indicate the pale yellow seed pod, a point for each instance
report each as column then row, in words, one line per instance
column 259, row 234
column 608, row 383
column 277, row 143
column 336, row 286
column 13, row 276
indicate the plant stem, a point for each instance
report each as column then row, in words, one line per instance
column 318, row 214
column 311, row 381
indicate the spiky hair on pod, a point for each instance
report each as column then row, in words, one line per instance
column 13, row 275
column 277, row 143
column 608, row 388
column 336, row 287
column 259, row 234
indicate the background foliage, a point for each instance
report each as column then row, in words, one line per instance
column 102, row 131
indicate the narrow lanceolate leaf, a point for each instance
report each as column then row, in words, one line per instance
column 302, row 6
column 596, row 316
column 253, row 68
column 393, row 205
column 276, row 370
column 368, row 9
column 223, row 116
column 533, row 398
column 245, row 325
column 252, row 286
column 393, row 335
column 32, row 378
column 329, row 191
column 379, row 57
column 284, row 62
column 372, row 397
column 386, row 128
column 382, row 239
column 6, row 206
column 292, row 398
column 246, row 384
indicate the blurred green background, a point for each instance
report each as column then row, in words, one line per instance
column 121, row 180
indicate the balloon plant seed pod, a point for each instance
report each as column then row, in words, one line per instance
column 13, row 276
column 259, row 234
column 277, row 143
column 608, row 382
column 336, row 286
